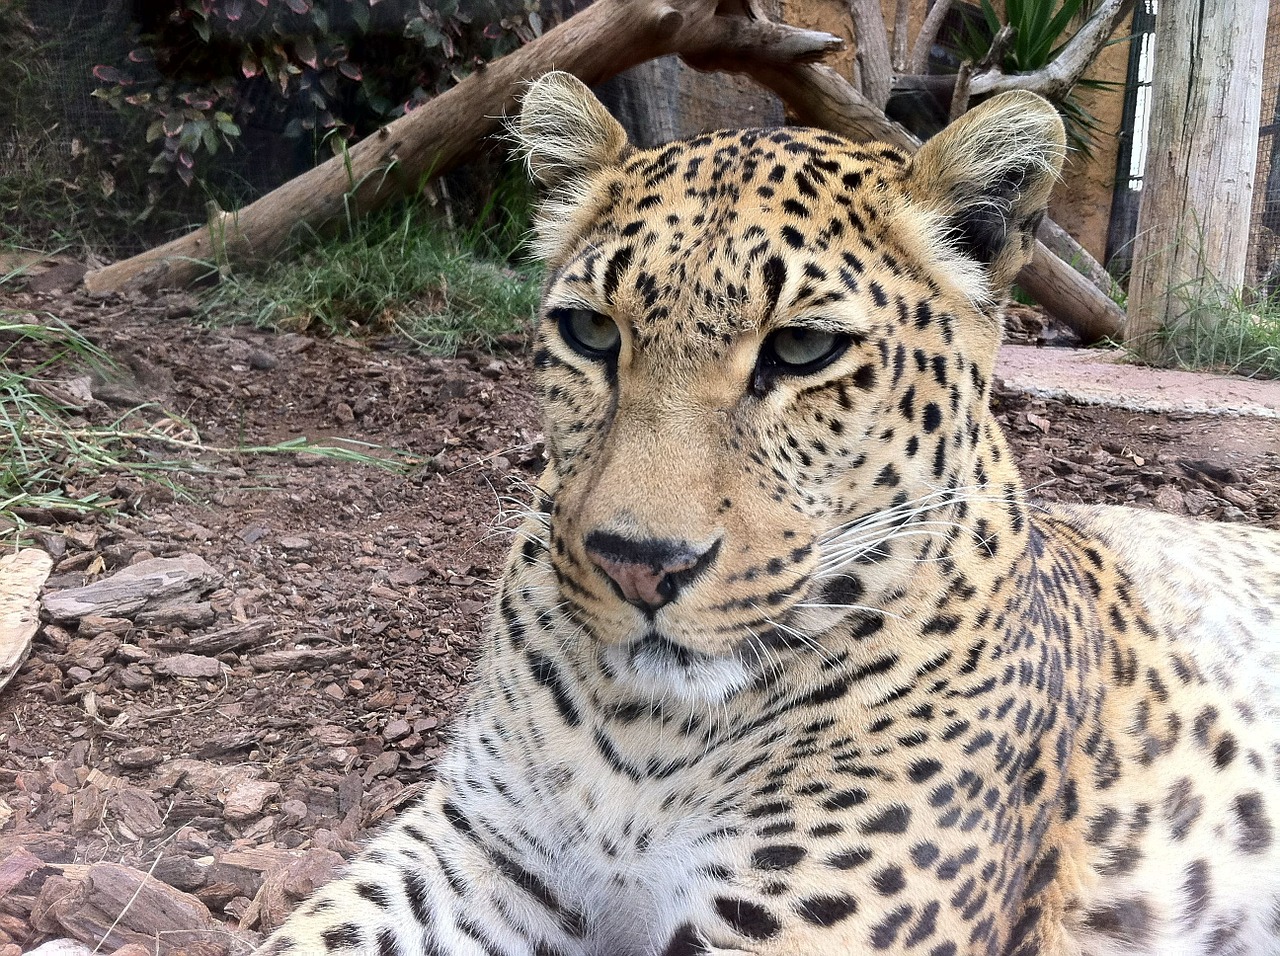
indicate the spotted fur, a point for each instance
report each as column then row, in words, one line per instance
column 784, row 660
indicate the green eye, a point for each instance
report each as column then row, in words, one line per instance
column 796, row 351
column 588, row 333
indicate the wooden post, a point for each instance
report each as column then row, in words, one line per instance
column 1197, row 187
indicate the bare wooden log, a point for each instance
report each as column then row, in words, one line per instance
column 21, row 577
column 604, row 39
column 901, row 17
column 821, row 97
column 918, row 62
column 1192, row 245
column 875, row 67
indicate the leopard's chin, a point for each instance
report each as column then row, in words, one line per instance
column 658, row 668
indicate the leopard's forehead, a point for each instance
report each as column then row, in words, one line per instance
column 723, row 234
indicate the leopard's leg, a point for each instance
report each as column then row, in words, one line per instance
column 428, row 887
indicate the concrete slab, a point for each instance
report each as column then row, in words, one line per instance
column 1101, row 377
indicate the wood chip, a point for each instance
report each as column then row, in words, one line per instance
column 116, row 905
column 300, row 659
column 130, row 590
column 21, row 577
column 188, row 665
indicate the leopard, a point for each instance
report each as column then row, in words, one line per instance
column 785, row 659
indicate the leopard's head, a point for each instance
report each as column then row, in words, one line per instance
column 763, row 361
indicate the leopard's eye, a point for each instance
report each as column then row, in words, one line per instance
column 796, row 351
column 801, row 351
column 588, row 333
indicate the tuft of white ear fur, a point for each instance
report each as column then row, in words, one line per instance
column 988, row 176
column 566, row 137
column 565, row 132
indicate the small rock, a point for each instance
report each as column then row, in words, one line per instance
column 94, row 624
column 384, row 765
column 79, row 674
column 293, row 543
column 188, row 665
column 134, row 677
column 237, row 907
column 344, row 413
column 1169, row 499
column 188, row 616
column 396, row 728
column 139, row 758
column 180, row 872
column 134, row 812
column 293, row 811
column 248, row 799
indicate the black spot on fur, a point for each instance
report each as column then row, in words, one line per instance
column 749, row 919
column 827, row 910
column 1126, row 920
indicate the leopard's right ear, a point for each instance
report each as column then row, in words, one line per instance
column 564, row 132
column 566, row 137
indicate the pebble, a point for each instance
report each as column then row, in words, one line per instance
column 247, row 799
column 139, row 758
column 295, row 543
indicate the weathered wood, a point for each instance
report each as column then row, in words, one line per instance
column 601, row 41
column 115, row 905
column 145, row 584
column 1197, row 188
column 918, row 62
column 300, row 659
column 875, row 66
column 21, row 577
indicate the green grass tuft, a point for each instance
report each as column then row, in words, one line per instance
column 399, row 270
column 1235, row 335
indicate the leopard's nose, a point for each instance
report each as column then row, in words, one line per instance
column 648, row 572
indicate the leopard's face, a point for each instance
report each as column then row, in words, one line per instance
column 763, row 370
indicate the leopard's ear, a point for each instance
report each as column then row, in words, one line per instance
column 564, row 131
column 566, row 137
column 987, row 178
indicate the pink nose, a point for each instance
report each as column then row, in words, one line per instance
column 648, row 573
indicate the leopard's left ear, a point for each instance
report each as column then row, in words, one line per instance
column 568, row 139
column 988, row 176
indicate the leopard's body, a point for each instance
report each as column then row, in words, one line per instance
column 784, row 662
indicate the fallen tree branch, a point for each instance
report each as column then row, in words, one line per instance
column 604, row 39
column 1056, row 78
column 607, row 37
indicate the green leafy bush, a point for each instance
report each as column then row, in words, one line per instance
column 202, row 69
column 1042, row 29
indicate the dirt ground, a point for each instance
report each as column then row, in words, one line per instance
column 239, row 777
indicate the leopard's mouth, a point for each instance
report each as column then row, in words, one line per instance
column 656, row 666
column 657, row 651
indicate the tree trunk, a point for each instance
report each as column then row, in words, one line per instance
column 1197, row 188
